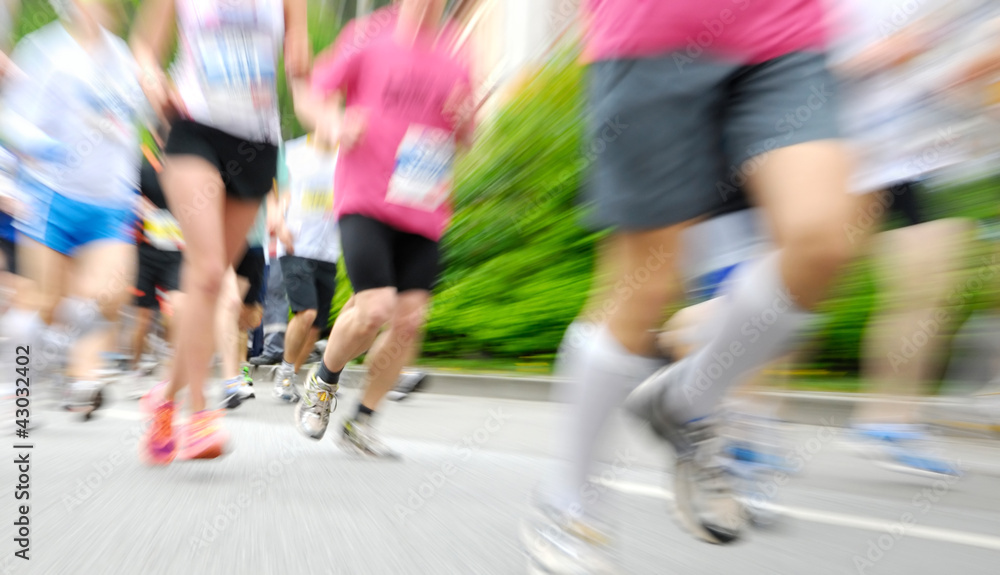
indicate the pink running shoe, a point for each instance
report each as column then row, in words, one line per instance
column 158, row 446
column 203, row 436
column 149, row 402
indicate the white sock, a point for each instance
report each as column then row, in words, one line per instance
column 286, row 368
column 602, row 374
column 759, row 322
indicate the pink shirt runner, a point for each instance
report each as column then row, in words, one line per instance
column 403, row 91
column 746, row 31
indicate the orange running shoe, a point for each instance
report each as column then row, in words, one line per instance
column 158, row 446
column 203, row 436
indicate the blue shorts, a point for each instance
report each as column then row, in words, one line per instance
column 63, row 224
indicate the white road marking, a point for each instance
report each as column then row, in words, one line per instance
column 837, row 519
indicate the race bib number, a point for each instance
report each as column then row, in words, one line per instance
column 162, row 231
column 239, row 63
column 423, row 172
column 316, row 201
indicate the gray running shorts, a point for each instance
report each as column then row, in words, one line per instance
column 669, row 138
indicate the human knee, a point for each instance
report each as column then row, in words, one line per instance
column 406, row 327
column 375, row 312
column 307, row 316
column 205, row 276
column 821, row 242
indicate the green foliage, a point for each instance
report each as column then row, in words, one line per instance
column 517, row 264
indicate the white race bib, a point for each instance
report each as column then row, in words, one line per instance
column 239, row 63
column 423, row 173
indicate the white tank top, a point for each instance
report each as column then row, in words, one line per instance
column 226, row 68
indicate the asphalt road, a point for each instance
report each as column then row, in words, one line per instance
column 280, row 503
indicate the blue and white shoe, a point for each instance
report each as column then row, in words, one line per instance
column 902, row 448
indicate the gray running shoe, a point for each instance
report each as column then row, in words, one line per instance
column 361, row 438
column 312, row 412
column 284, row 388
column 705, row 501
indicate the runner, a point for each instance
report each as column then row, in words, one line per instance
column 892, row 115
column 681, row 128
column 221, row 162
column 408, row 105
column 160, row 245
column 309, row 246
column 70, row 116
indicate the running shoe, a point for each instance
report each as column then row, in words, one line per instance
column 158, row 445
column 903, row 448
column 84, row 397
column 409, row 382
column 755, row 471
column 247, row 378
column 148, row 402
column 284, row 388
column 557, row 543
column 312, row 412
column 203, row 436
column 231, row 396
column 361, row 438
column 705, row 501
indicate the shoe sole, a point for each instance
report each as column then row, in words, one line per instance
column 232, row 402
column 146, row 458
column 643, row 405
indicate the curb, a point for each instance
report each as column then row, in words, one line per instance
column 806, row 407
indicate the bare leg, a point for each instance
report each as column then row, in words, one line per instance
column 215, row 230
column 356, row 329
column 386, row 360
column 307, row 348
column 143, row 320
column 297, row 337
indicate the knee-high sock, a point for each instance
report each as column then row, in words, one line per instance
column 757, row 325
column 599, row 373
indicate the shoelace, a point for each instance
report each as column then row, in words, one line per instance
column 320, row 390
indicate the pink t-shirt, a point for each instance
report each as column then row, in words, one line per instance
column 400, row 171
column 746, row 31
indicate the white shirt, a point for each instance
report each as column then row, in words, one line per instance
column 82, row 109
column 227, row 61
column 309, row 217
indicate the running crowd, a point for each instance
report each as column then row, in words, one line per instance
column 746, row 159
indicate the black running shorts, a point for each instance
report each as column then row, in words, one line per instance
column 377, row 255
column 310, row 284
column 252, row 267
column 157, row 269
column 247, row 168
